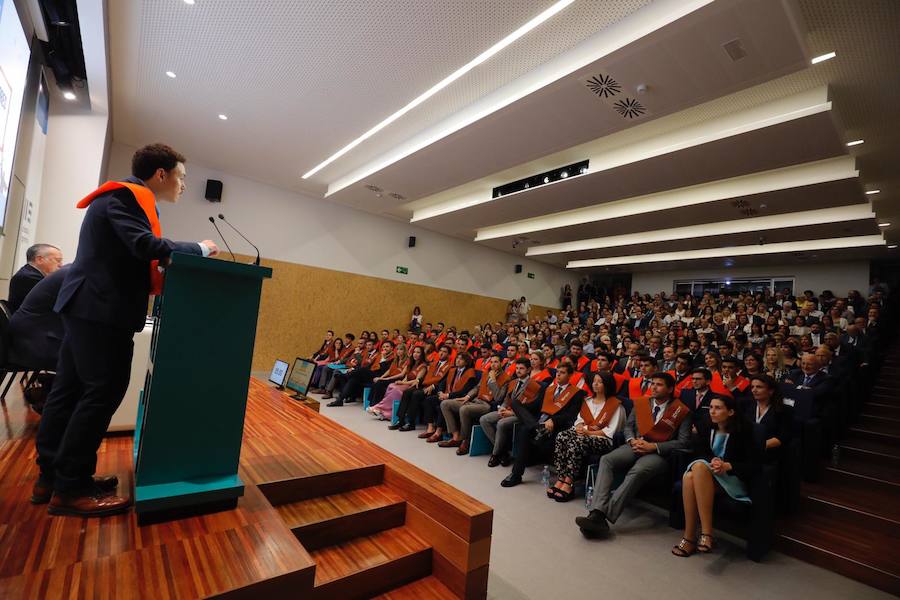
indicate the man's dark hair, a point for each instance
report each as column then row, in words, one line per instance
column 566, row 367
column 524, row 361
column 670, row 381
column 576, row 343
column 685, row 357
column 37, row 250
column 647, row 358
column 707, row 374
column 350, row 336
column 155, row 156
column 731, row 360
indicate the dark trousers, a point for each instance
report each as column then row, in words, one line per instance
column 91, row 379
column 358, row 379
column 431, row 405
column 408, row 410
column 527, row 450
column 379, row 388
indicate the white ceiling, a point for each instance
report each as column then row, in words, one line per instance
column 300, row 80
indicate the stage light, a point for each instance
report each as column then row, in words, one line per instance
column 69, row 95
column 223, row 117
column 170, row 74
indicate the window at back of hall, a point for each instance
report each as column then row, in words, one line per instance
column 698, row 287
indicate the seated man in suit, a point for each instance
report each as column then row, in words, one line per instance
column 43, row 259
column 498, row 425
column 698, row 397
column 639, row 387
column 541, row 423
column 655, row 427
column 810, row 376
column 35, row 330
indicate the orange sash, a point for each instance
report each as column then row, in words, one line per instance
column 543, row 375
column 680, row 384
column 603, row 417
column 529, row 394
column 147, row 201
column 484, row 392
column 664, row 429
column 456, row 382
column 552, row 406
column 634, row 388
column 434, row 374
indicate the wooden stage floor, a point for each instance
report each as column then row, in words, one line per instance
column 326, row 514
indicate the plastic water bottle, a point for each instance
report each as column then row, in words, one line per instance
column 588, row 496
column 545, row 476
column 835, row 455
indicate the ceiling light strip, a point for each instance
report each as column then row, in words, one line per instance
column 840, row 214
column 832, row 169
column 515, row 35
column 801, row 105
column 803, row 246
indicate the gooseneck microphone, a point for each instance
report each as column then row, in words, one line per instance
column 213, row 221
column 256, row 262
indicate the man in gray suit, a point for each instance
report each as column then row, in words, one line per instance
column 655, row 427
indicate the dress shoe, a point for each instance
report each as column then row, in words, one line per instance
column 451, row 443
column 493, row 461
column 337, row 402
column 594, row 524
column 395, row 426
column 425, row 435
column 506, row 459
column 511, row 480
column 327, row 397
column 436, row 438
column 463, row 449
column 87, row 506
column 41, row 494
column 407, row 427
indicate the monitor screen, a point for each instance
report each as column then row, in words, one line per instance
column 14, row 55
column 279, row 373
column 300, row 375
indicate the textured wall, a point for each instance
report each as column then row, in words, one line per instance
column 301, row 302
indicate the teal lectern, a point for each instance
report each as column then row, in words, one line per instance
column 190, row 423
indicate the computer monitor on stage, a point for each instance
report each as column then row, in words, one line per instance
column 279, row 373
column 300, row 375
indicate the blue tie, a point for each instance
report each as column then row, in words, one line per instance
column 655, row 412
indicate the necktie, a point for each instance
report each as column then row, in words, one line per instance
column 644, row 385
column 700, row 399
column 557, row 392
column 655, row 412
column 519, row 387
column 806, row 380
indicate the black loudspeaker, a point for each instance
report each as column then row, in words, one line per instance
column 213, row 190
column 412, row 241
column 518, row 268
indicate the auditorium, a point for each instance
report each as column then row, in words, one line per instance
column 406, row 299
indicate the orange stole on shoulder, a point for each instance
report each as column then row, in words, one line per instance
column 603, row 417
column 662, row 431
column 551, row 406
column 529, row 394
column 434, row 374
column 484, row 392
column 456, row 382
column 543, row 375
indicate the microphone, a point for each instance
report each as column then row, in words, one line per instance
column 213, row 221
column 256, row 262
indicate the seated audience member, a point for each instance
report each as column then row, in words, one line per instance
column 733, row 382
column 639, row 387
column 35, row 330
column 698, row 397
column 42, row 260
column 498, row 424
column 326, row 350
column 396, row 372
column 810, row 376
column 342, row 350
column 668, row 358
column 457, row 383
column 681, row 373
column 753, row 364
column 541, row 422
column 461, row 414
column 774, row 364
column 374, row 364
column 789, row 351
column 415, row 372
column 655, row 427
column 728, row 463
column 363, row 355
column 538, row 371
column 432, row 382
column 773, row 420
column 601, row 416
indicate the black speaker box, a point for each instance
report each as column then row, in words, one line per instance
column 412, row 241
column 213, row 190
column 518, row 268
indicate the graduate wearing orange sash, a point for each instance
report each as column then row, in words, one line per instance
column 461, row 414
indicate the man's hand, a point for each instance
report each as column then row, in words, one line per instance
column 506, row 412
column 213, row 248
column 429, row 389
column 548, row 424
column 443, row 395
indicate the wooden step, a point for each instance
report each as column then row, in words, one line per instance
column 857, row 471
column 285, row 491
column 881, row 410
column 371, row 565
column 329, row 520
column 429, row 588
column 856, row 502
column 882, row 398
column 881, row 431
column 866, row 449
column 844, row 547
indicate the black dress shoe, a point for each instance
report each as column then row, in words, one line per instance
column 337, row 402
column 407, row 427
column 493, row 461
column 395, row 426
column 594, row 524
column 511, row 480
column 506, row 459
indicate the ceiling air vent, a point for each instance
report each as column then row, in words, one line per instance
column 629, row 108
column 374, row 188
column 735, row 49
column 603, row 85
column 397, row 196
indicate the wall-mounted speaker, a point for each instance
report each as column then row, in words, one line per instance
column 213, row 190
column 518, row 268
column 412, row 241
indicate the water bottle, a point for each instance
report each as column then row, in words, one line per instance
column 835, row 455
column 588, row 496
column 545, row 476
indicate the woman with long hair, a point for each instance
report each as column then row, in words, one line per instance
column 774, row 364
column 772, row 417
column 415, row 371
column 397, row 371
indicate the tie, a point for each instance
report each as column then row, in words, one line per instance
column 557, row 393
column 655, row 412
column 806, row 380
column 644, row 385
column 519, row 387
column 700, row 399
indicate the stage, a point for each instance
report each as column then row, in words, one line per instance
column 326, row 514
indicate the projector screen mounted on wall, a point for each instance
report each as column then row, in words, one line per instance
column 14, row 55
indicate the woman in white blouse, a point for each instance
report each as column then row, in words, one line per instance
column 601, row 416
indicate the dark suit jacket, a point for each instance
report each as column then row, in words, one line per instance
column 821, row 384
column 774, row 424
column 109, row 282
column 21, row 283
column 700, row 413
column 35, row 331
column 740, row 450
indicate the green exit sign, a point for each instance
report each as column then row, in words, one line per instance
column 403, row 270
column 531, row 276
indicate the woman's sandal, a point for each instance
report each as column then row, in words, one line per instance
column 563, row 496
column 551, row 492
column 684, row 548
column 706, row 543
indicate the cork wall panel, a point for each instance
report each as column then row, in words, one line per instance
column 301, row 302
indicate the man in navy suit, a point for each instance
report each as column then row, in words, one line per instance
column 698, row 397
column 103, row 302
column 35, row 330
column 810, row 376
column 43, row 259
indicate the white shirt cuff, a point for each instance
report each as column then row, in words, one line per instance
column 203, row 249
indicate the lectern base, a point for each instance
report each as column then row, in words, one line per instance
column 154, row 503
